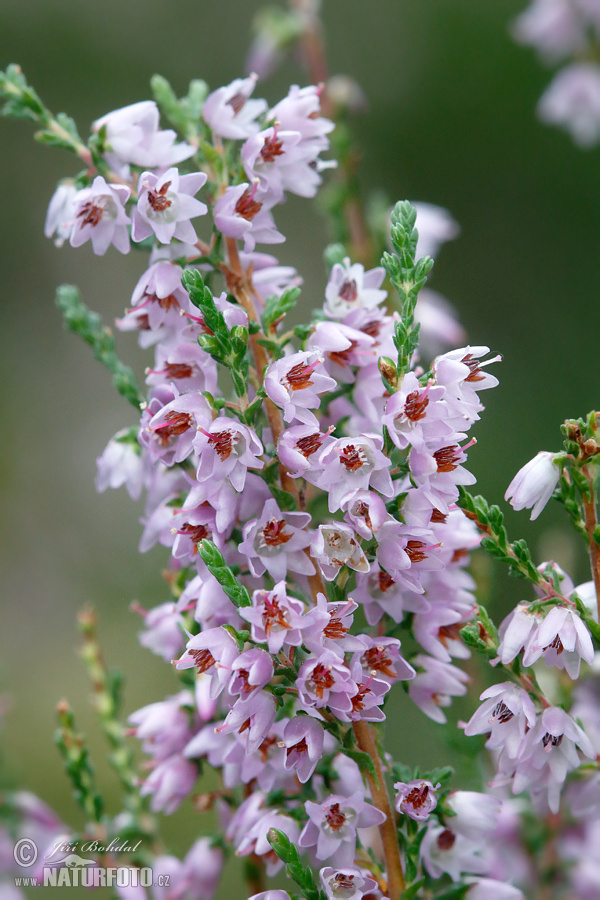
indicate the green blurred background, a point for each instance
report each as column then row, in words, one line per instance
column 450, row 121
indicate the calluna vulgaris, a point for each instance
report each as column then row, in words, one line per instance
column 309, row 482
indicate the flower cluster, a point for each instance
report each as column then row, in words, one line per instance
column 308, row 486
column 280, row 681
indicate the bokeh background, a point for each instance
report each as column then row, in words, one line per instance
column 450, row 120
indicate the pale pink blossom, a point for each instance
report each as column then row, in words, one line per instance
column 534, row 484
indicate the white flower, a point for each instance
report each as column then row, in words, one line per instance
column 563, row 640
column 572, row 100
column 534, row 484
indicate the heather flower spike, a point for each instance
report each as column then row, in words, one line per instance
column 304, row 486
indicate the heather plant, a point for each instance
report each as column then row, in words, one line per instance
column 309, row 483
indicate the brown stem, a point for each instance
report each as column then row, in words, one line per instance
column 240, row 286
column 391, row 849
column 591, row 522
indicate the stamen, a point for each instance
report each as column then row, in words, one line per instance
column 352, row 457
column 415, row 405
column 203, row 659
column 274, row 533
column 309, row 444
column 174, row 425
column 272, row 147
column 158, row 200
column 247, row 207
column 298, row 377
column 321, row 680
column 335, row 817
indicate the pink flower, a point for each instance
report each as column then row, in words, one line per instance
column 227, row 449
column 491, row 889
column 415, row 414
column 170, row 434
column 334, row 546
column 169, row 783
column 325, row 680
column 346, row 884
column 240, row 213
column 416, row 799
column 435, row 226
column 120, row 464
column 554, row 27
column 164, row 727
column 271, row 895
column 328, row 627
column 382, row 660
column 435, row 684
column 251, row 715
column 299, row 111
column 562, row 640
column 61, row 210
column 443, row 851
column 185, row 365
column 332, row 825
column 517, row 632
column 275, row 542
column 350, row 287
column 281, row 161
column 354, row 464
column 252, row 670
column 213, row 651
column 506, row 716
column 573, row 101
column 303, row 739
column 364, row 511
column 293, row 384
column 162, row 630
column 548, row 753
column 230, row 112
column 166, row 203
column 99, row 215
column 476, row 814
column 133, row 136
column 299, row 448
column 275, row 618
column 534, row 484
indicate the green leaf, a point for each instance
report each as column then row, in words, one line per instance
column 301, row 875
column 277, row 307
column 79, row 319
column 230, row 348
column 201, row 296
column 408, row 275
column 362, row 760
column 403, row 773
column 441, row 775
column 411, row 891
column 184, row 114
column 217, row 566
column 285, row 501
